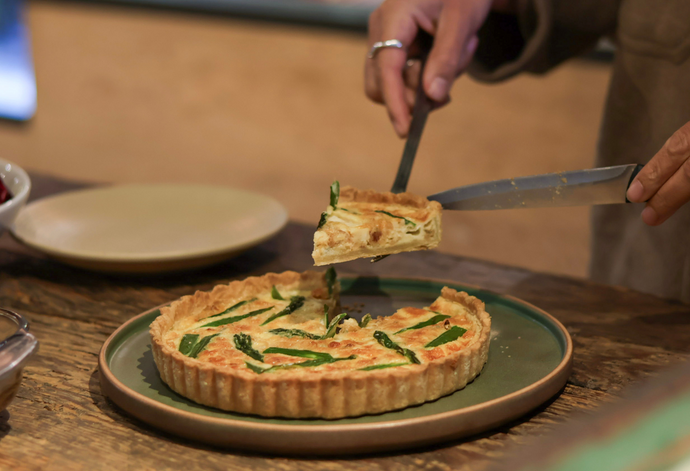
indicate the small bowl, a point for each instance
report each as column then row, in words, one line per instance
column 17, row 181
column 16, row 346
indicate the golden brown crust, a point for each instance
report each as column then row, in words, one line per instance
column 303, row 393
column 349, row 193
column 475, row 305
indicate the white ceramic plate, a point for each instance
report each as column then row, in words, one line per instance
column 148, row 228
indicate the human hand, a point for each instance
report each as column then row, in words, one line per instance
column 389, row 79
column 664, row 183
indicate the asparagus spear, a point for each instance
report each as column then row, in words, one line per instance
column 296, row 302
column 233, row 308
column 332, row 327
column 243, row 343
column 295, row 333
column 187, row 343
column 365, row 321
column 385, row 365
column 384, row 340
column 450, row 335
column 201, row 345
column 331, row 279
column 315, row 359
column 232, row 320
column 330, row 331
column 299, row 353
column 431, row 321
column 256, row 369
column 335, row 194
column 407, row 221
column 322, row 221
column 275, row 294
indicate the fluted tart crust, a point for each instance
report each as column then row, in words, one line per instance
column 255, row 358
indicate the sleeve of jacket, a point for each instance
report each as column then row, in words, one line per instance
column 540, row 36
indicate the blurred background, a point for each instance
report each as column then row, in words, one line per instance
column 127, row 94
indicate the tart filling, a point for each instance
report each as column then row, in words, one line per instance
column 277, row 345
column 365, row 223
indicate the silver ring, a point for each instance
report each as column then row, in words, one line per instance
column 381, row 44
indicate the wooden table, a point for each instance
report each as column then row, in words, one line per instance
column 61, row 420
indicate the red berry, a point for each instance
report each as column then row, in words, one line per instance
column 4, row 193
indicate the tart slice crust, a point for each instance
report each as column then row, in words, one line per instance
column 341, row 391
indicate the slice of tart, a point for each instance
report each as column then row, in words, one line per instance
column 364, row 223
column 276, row 346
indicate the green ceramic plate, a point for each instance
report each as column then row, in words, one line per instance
column 529, row 362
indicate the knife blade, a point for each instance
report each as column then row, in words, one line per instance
column 605, row 185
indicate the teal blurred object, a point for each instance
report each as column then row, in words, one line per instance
column 346, row 14
column 17, row 79
column 648, row 430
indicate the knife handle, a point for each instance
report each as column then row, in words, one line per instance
column 632, row 177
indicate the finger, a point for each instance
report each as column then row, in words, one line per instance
column 410, row 97
column 371, row 84
column 411, row 79
column 440, row 104
column 467, row 54
column 670, row 197
column 674, row 154
column 452, row 49
column 399, row 20
column 411, row 74
column 390, row 64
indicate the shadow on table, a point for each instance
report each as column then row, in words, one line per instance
column 120, row 416
column 20, row 264
column 5, row 427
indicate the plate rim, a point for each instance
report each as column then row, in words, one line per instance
column 551, row 384
column 144, row 258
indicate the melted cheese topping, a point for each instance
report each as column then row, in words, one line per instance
column 351, row 340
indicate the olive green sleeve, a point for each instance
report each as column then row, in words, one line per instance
column 541, row 35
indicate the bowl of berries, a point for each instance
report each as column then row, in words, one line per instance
column 15, row 186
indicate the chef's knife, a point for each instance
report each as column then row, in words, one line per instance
column 606, row 185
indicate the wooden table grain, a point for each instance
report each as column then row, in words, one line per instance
column 61, row 420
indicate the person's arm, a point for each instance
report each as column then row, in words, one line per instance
column 540, row 35
column 664, row 183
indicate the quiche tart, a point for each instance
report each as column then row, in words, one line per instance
column 277, row 346
column 364, row 223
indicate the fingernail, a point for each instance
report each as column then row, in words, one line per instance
column 635, row 191
column 399, row 129
column 438, row 89
column 649, row 216
column 472, row 44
